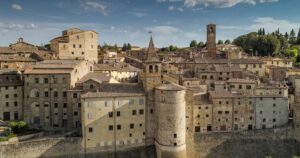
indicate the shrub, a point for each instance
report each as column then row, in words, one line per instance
column 18, row 126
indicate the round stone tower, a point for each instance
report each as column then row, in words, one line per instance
column 170, row 134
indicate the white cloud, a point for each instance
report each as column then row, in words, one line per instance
column 272, row 24
column 17, row 26
column 95, row 6
column 173, row 8
column 218, row 3
column 16, row 7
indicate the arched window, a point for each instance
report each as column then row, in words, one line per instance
column 150, row 68
column 156, row 68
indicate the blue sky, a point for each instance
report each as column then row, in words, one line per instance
column 118, row 21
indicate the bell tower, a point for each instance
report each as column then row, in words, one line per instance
column 151, row 79
column 211, row 40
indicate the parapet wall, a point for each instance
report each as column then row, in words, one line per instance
column 277, row 143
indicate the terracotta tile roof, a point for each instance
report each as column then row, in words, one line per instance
column 97, row 77
column 221, row 94
column 116, row 90
column 170, row 87
column 122, row 67
column 247, row 61
column 240, row 80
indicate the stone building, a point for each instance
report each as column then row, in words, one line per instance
column 122, row 72
column 76, row 44
column 114, row 117
column 271, row 111
column 11, row 95
column 46, row 86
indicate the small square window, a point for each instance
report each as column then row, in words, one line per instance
column 91, row 130
column 133, row 112
column 110, row 127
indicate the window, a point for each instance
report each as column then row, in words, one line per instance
column 55, row 105
column 220, row 112
column 274, row 120
column 46, row 93
column 75, row 113
column 240, row 87
column 220, row 102
column 110, row 114
column 72, row 52
column 248, row 87
column 131, row 126
column 74, row 95
column 91, row 130
column 204, row 77
column 175, row 135
column 36, row 80
column 82, row 53
column 46, row 105
column 6, row 96
column 274, row 105
column 74, row 46
column 91, row 86
column 15, row 87
column 141, row 112
column 6, row 87
column 80, row 45
column 118, row 127
column 46, row 80
column 79, row 105
column 142, row 101
column 65, row 105
column 7, row 104
column 110, row 127
column 118, row 113
column 55, row 94
column 55, row 80
column 64, row 94
column 90, row 116
column 106, row 104
column 131, row 101
column 133, row 112
column 226, row 112
column 15, row 95
column 16, row 103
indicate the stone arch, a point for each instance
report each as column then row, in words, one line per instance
column 156, row 68
column 151, row 68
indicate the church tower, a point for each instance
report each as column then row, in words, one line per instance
column 211, row 40
column 152, row 78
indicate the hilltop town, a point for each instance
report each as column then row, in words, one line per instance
column 115, row 101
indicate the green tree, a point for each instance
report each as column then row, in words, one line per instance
column 227, row 41
column 286, row 35
column 220, row 42
column 263, row 31
column 193, row 44
column 200, row 44
column 124, row 48
column 292, row 34
column 128, row 46
column 172, row 48
column 47, row 46
column 298, row 38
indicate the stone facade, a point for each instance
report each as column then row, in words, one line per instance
column 11, row 95
column 46, row 93
column 76, row 44
column 111, row 120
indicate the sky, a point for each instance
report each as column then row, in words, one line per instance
column 175, row 22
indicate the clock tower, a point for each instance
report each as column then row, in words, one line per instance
column 211, row 40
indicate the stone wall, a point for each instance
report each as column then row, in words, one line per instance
column 66, row 148
column 277, row 143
